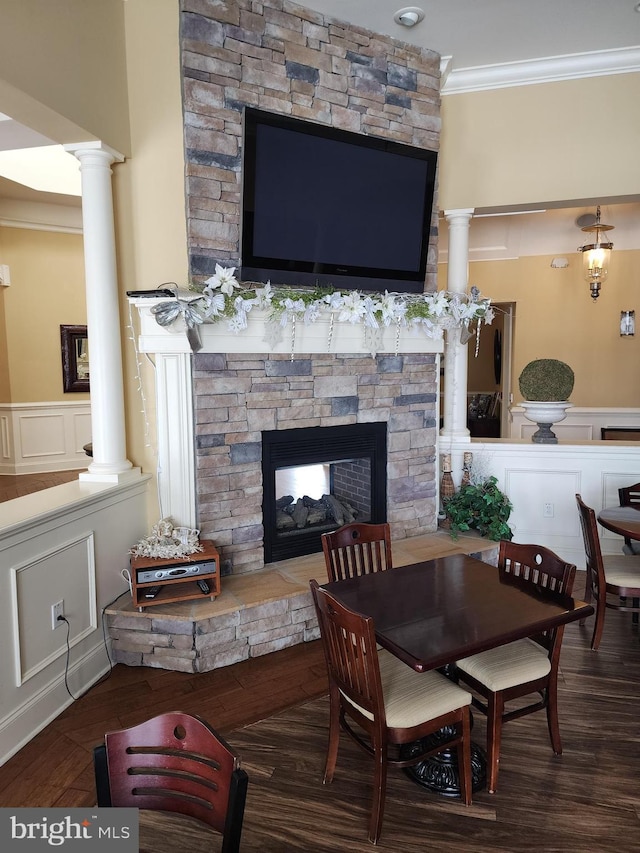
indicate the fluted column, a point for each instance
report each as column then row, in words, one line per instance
column 455, row 355
column 109, row 462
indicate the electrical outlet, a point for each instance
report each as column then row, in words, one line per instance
column 57, row 610
column 547, row 510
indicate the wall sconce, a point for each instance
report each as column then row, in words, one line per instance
column 627, row 323
column 595, row 255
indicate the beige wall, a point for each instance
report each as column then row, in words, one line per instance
column 555, row 317
column 541, row 143
column 63, row 70
column 150, row 194
column 5, row 387
column 47, row 290
column 502, row 147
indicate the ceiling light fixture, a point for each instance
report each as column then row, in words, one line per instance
column 595, row 255
column 409, row 16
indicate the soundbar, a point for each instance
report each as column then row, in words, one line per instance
column 206, row 567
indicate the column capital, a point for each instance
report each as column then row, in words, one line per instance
column 462, row 214
column 96, row 151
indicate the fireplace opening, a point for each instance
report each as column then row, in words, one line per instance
column 317, row 479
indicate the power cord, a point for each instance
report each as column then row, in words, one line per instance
column 64, row 619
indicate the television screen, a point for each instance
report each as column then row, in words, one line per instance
column 331, row 208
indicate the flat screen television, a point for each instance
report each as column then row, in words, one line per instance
column 324, row 207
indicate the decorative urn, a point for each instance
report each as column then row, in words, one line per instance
column 546, row 385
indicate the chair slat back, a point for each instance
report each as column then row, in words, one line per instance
column 629, row 495
column 349, row 644
column 357, row 549
column 177, row 762
column 540, row 567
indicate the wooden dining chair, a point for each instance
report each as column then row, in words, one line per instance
column 523, row 667
column 611, row 579
column 357, row 549
column 630, row 496
column 174, row 762
column 390, row 703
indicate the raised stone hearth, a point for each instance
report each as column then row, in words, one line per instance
column 255, row 614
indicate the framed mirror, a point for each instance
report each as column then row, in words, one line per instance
column 75, row 358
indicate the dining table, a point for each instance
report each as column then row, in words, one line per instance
column 432, row 613
column 624, row 520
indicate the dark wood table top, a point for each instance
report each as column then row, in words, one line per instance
column 433, row 613
column 624, row 520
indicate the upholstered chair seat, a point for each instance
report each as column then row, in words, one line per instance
column 505, row 666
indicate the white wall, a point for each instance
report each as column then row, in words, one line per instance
column 534, row 474
column 67, row 543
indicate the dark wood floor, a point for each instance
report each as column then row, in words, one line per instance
column 592, row 791
column 16, row 485
column 55, row 768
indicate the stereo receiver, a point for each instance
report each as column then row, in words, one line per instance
column 183, row 570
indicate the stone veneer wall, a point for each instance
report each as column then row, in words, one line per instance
column 239, row 396
column 283, row 58
column 277, row 56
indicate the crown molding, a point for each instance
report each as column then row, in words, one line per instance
column 40, row 216
column 550, row 69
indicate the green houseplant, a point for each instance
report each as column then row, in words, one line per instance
column 482, row 507
column 546, row 385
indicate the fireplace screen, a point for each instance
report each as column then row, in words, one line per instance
column 318, row 479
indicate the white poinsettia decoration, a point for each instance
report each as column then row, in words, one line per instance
column 224, row 279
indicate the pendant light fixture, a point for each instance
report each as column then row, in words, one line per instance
column 596, row 254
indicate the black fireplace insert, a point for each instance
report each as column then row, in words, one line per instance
column 352, row 485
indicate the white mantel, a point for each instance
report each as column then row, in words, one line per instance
column 313, row 338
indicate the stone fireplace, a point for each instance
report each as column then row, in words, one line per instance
column 239, row 396
column 214, row 407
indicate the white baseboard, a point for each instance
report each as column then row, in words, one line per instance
column 25, row 721
column 40, row 437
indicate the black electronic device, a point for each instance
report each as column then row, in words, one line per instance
column 152, row 591
column 150, row 294
column 203, row 567
column 204, row 586
column 327, row 207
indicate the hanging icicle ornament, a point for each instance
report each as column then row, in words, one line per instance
column 293, row 336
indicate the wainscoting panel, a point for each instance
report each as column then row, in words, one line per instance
column 40, row 437
column 542, row 481
column 37, row 643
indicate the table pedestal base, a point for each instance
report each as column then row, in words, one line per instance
column 439, row 772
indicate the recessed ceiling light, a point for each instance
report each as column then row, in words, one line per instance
column 409, row 16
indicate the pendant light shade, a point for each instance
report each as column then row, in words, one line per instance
column 596, row 255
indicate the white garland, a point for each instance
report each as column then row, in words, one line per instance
column 224, row 296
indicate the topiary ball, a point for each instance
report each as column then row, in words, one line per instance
column 546, row 379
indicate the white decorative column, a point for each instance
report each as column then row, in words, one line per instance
column 109, row 462
column 455, row 357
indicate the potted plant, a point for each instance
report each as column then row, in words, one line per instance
column 482, row 507
column 546, row 385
